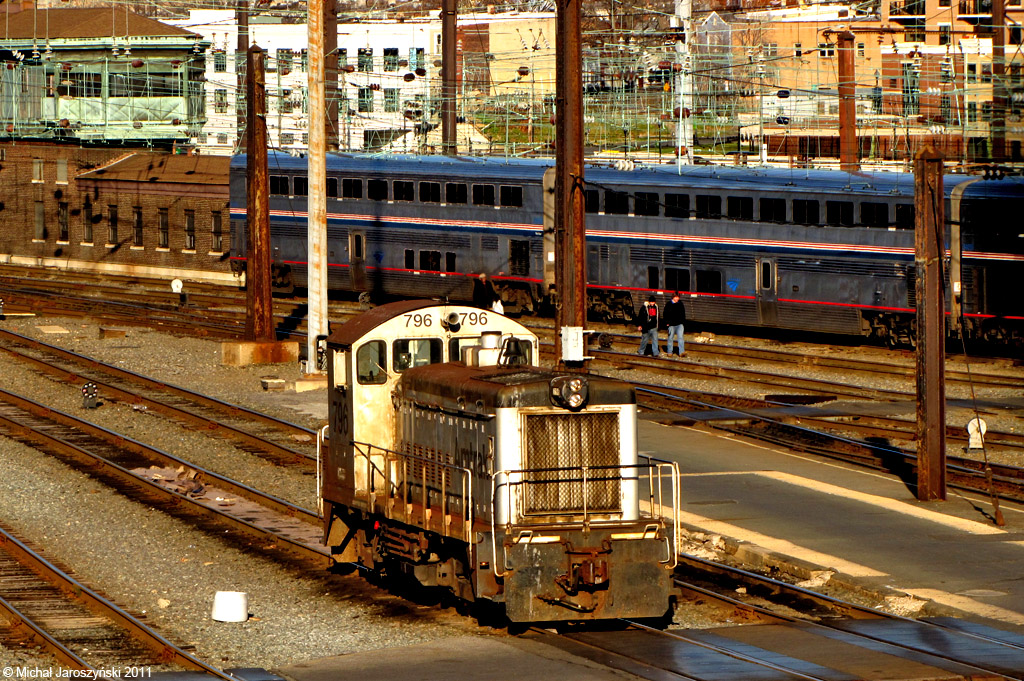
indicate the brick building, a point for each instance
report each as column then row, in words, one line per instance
column 143, row 213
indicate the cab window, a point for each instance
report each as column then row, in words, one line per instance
column 415, row 352
column 371, row 363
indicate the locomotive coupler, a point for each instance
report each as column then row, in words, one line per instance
column 587, row 569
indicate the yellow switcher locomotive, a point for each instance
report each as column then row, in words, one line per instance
column 453, row 459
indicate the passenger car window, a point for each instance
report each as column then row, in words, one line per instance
column 371, row 361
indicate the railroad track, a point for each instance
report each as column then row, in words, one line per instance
column 78, row 627
column 256, row 432
column 961, row 472
column 158, row 478
column 794, row 633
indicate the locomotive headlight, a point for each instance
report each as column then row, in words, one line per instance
column 570, row 392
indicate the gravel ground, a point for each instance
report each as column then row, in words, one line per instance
column 160, row 566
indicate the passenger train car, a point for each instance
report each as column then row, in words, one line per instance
column 453, row 460
column 822, row 251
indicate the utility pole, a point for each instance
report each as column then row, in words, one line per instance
column 684, row 80
column 929, row 248
column 998, row 81
column 849, row 156
column 241, row 57
column 316, row 224
column 259, row 318
column 449, row 68
column 570, row 228
column 331, row 72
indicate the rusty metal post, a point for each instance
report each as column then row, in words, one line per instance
column 316, row 218
column 241, row 57
column 331, row 72
column 570, row 227
column 849, row 156
column 449, row 76
column 998, row 124
column 929, row 248
column 259, row 320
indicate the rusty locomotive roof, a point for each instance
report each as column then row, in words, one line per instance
column 447, row 386
column 85, row 22
column 353, row 330
column 158, row 167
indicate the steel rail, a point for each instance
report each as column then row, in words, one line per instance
column 162, row 649
column 156, row 405
column 318, row 554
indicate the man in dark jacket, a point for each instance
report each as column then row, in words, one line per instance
column 648, row 327
column 675, row 318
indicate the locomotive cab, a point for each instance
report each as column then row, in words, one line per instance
column 453, row 460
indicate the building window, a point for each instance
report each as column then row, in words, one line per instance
column 62, row 221
column 87, row 223
column 946, row 109
column 826, row 50
column 164, row 235
column 972, row 112
column 40, row 221
column 390, row 100
column 190, row 229
column 287, row 138
column 798, row 50
column 216, row 232
column 417, row 58
column 62, row 171
column 342, row 57
column 37, row 170
column 860, row 49
column 365, row 100
column 390, row 58
column 220, row 100
column 304, row 61
column 911, row 91
column 365, row 59
column 284, row 61
column 137, row 227
column 222, row 138
column 305, row 139
column 220, row 61
column 286, row 105
column 112, row 224
column 945, row 34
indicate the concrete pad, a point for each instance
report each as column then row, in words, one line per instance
column 244, row 353
column 309, row 383
column 52, row 329
column 468, row 658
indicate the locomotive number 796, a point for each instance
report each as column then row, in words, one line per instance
column 426, row 320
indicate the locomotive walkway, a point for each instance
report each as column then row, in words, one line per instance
column 766, row 505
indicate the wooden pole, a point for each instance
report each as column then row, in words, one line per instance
column 449, row 73
column 259, row 320
column 241, row 59
column 570, row 227
column 929, row 249
column 316, row 220
column 331, row 73
column 847, row 87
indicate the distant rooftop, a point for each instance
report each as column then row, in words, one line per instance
column 84, row 23
column 155, row 167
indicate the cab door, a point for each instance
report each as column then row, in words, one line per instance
column 357, row 260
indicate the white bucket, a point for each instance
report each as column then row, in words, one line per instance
column 230, row 606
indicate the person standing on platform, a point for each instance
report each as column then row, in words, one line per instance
column 675, row 318
column 484, row 295
column 648, row 327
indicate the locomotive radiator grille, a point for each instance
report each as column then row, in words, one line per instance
column 556, row 448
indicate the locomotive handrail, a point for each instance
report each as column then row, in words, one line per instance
column 396, row 477
column 504, row 481
column 321, row 437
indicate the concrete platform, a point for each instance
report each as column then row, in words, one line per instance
column 244, row 353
